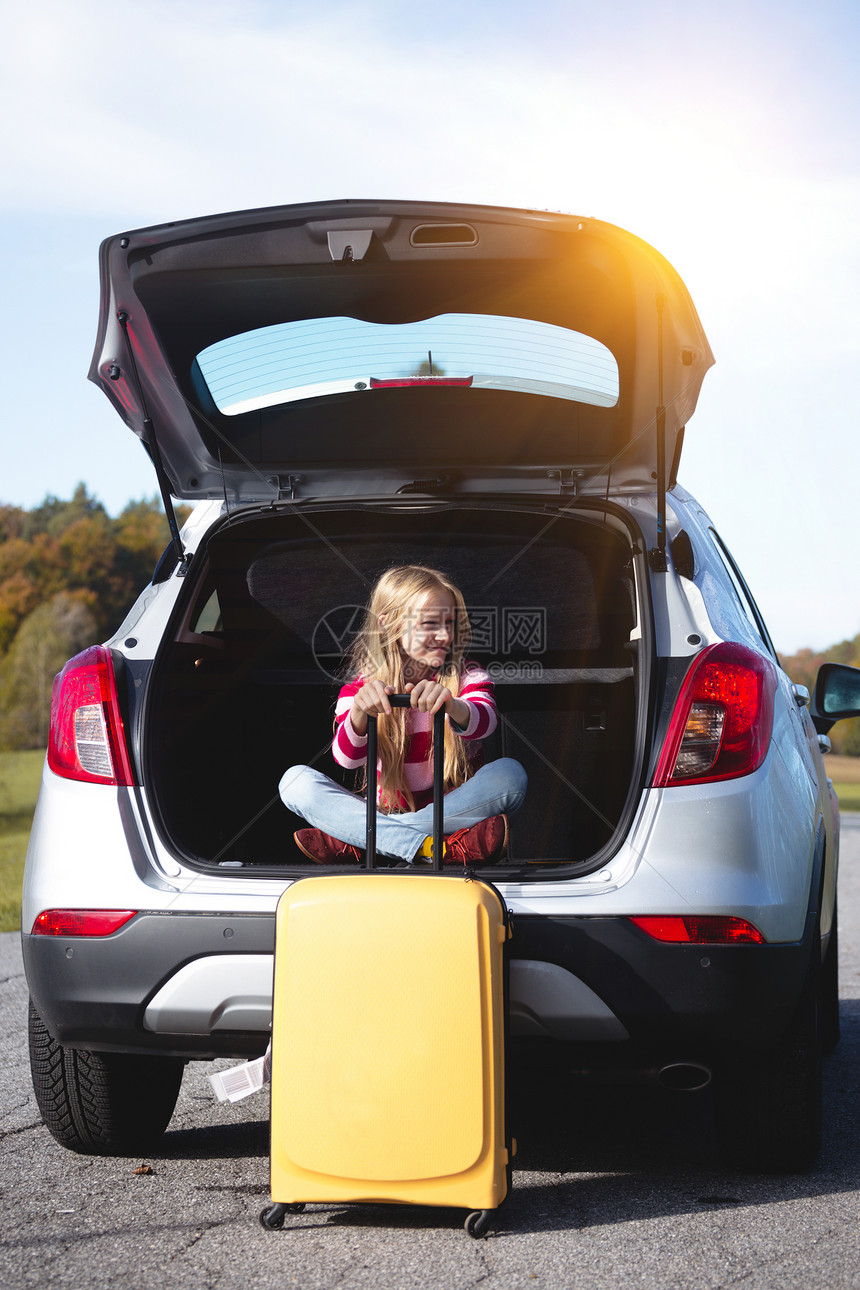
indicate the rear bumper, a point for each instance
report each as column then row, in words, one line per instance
column 589, row 980
column 93, row 992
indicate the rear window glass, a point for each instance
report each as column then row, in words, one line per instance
column 316, row 357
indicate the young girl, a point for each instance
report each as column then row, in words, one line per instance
column 413, row 642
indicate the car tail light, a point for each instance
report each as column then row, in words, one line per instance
column 699, row 929
column 87, row 739
column 81, row 922
column 722, row 722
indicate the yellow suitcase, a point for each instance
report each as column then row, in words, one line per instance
column 388, row 1044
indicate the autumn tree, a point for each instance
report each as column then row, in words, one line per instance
column 68, row 575
column 75, row 546
column 52, row 633
column 803, row 668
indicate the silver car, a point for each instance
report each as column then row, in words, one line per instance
column 503, row 394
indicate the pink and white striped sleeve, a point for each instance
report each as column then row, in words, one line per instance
column 476, row 690
column 348, row 748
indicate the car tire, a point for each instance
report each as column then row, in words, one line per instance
column 101, row 1104
column 768, row 1110
column 830, row 989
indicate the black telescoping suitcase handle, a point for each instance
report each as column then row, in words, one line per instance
column 404, row 701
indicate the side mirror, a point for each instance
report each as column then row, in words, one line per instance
column 837, row 695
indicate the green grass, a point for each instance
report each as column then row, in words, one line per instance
column 849, row 796
column 19, row 783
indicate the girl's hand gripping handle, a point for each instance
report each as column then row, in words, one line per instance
column 404, row 701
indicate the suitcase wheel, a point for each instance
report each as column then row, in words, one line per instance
column 477, row 1223
column 272, row 1216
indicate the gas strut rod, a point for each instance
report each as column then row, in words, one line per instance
column 658, row 553
column 150, row 443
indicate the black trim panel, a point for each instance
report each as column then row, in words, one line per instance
column 92, row 992
column 700, row 996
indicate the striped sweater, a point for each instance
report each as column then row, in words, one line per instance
column 350, row 749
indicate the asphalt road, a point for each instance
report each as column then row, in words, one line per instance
column 631, row 1194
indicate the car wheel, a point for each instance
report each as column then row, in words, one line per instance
column 768, row 1111
column 101, row 1104
column 830, row 990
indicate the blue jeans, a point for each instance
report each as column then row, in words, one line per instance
column 495, row 789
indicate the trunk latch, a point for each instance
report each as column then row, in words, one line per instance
column 568, row 480
column 288, row 492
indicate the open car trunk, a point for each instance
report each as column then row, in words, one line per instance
column 246, row 681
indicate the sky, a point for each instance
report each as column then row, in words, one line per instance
column 726, row 135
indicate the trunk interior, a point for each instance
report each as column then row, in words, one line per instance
column 246, row 684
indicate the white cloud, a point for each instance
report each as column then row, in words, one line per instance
column 167, row 106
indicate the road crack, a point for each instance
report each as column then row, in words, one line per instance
column 24, row 1128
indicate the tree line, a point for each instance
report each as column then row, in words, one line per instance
column 69, row 573
column 803, row 667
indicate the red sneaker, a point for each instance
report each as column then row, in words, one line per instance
column 322, row 848
column 483, row 843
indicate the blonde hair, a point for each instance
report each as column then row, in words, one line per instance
column 377, row 654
